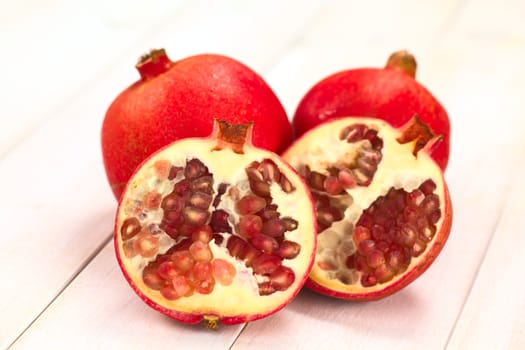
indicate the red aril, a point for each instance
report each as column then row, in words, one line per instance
column 213, row 249
column 380, row 230
column 179, row 99
column 390, row 93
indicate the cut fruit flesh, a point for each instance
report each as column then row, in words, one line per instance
column 370, row 241
column 203, row 188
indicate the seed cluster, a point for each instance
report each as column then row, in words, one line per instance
column 394, row 229
column 192, row 217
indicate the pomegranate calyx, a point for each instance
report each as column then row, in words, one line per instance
column 234, row 136
column 420, row 134
column 402, row 61
column 153, row 64
column 211, row 322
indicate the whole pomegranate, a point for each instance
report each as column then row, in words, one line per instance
column 389, row 93
column 383, row 208
column 176, row 100
column 215, row 229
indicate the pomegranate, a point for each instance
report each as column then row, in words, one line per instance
column 382, row 205
column 216, row 229
column 175, row 100
column 390, row 93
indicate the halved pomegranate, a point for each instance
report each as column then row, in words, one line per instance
column 383, row 207
column 216, row 229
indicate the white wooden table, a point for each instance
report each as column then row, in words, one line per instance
column 63, row 62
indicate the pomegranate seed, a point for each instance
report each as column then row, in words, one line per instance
column 260, row 188
column 129, row 250
column 250, row 204
column 366, row 246
column 206, row 286
column 328, row 215
column 368, row 280
column 350, row 262
column 201, row 271
column 347, row 179
column 362, row 179
column 202, row 184
column 290, row 224
column 434, row 216
column 172, row 217
column 130, row 227
column 203, row 234
column 152, row 200
column 269, row 213
column 182, row 260
column 326, row 265
column 430, row 203
column 375, row 258
column 265, row 243
column 172, row 202
column 236, row 246
column 265, row 264
column 286, row 185
column 353, row 133
column 249, row 253
column 282, row 278
column 223, row 272
column 289, row 250
column 146, row 245
column 266, row 288
column 378, row 232
column 151, row 278
column 407, row 236
column 195, row 216
column 250, row 225
column 253, row 174
column 427, row 187
column 361, row 233
column 332, row 185
column 194, row 169
column 316, row 181
column 273, row 228
column 414, row 198
column 269, row 171
column 366, row 166
column 174, row 171
column 169, row 292
column 167, row 270
column 219, row 221
column 162, row 168
column 383, row 273
column 181, row 187
column 181, row 286
column 218, row 239
column 200, row 251
column 418, row 248
column 200, row 200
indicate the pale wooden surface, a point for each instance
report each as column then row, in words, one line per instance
column 64, row 61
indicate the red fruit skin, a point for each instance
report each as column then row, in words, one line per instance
column 388, row 94
column 181, row 101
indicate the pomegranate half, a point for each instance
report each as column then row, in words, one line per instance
column 390, row 93
column 216, row 229
column 383, row 207
column 180, row 99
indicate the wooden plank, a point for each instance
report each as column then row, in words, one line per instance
column 53, row 184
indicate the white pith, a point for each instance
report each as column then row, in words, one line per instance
column 398, row 169
column 242, row 296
